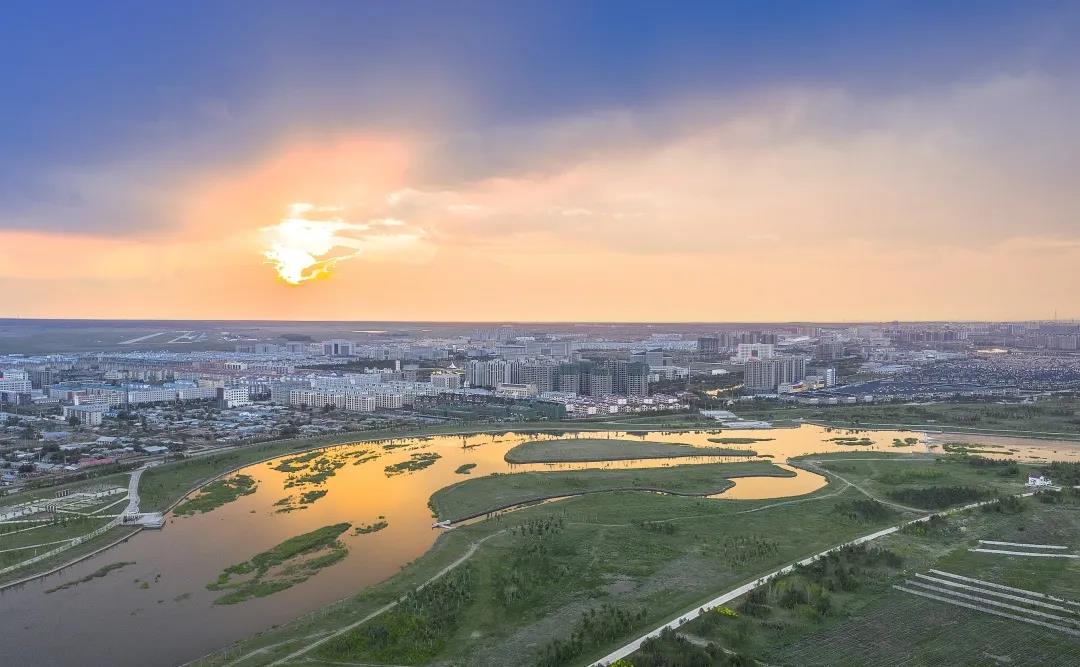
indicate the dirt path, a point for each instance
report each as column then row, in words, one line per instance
column 815, row 466
column 473, row 548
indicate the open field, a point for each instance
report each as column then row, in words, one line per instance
column 898, row 477
column 164, row 485
column 486, row 494
column 830, row 615
column 73, row 554
column 1057, row 417
column 538, row 570
column 609, row 449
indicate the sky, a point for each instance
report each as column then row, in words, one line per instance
column 532, row 161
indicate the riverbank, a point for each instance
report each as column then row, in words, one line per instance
column 476, row 497
column 568, row 450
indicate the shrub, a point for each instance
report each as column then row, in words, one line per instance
column 938, row 497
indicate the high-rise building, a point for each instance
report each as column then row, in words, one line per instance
column 748, row 351
column 488, row 374
column 829, row 350
column 637, row 381
column 569, row 379
column 600, row 382
column 651, row 358
column 768, row 374
column 708, row 345
column 41, row 378
column 544, row 376
column 337, row 347
column 449, row 381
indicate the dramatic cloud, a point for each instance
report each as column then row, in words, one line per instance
column 942, row 202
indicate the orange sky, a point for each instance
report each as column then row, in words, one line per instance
column 761, row 213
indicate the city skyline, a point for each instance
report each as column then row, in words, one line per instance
column 602, row 163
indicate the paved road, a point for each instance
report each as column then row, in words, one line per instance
column 724, row 598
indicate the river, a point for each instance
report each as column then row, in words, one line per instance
column 158, row 612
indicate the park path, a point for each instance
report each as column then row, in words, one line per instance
column 734, row 593
column 815, row 466
column 473, row 548
column 132, row 508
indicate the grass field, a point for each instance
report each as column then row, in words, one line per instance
column 810, row 619
column 74, row 553
column 485, row 494
column 609, row 449
column 544, row 578
column 542, row 568
column 891, row 476
column 1048, row 416
column 164, row 485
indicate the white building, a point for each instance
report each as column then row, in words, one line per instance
column 508, row 390
column 745, row 352
column 88, row 415
column 233, row 397
column 447, row 381
column 769, row 374
column 488, row 373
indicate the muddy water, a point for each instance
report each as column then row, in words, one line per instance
column 158, row 612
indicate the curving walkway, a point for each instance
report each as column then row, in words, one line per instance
column 322, row 637
column 132, row 508
column 815, row 466
column 734, row 593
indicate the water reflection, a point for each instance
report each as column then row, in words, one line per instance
column 114, row 620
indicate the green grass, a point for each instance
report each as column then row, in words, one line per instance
column 851, row 441
column 464, row 468
column 62, row 526
column 367, row 529
column 533, row 583
column 418, row 461
column 164, row 485
column 939, row 497
column 1051, row 417
column 281, row 567
column 96, row 574
column 867, row 622
column 608, row 449
column 299, row 501
column 413, row 632
column 63, row 558
column 114, row 479
column 485, row 494
column 738, row 441
column 542, row 568
column 885, row 473
column 216, row 494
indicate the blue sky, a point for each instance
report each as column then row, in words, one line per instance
column 113, row 108
column 84, row 80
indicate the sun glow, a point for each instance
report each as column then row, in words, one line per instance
column 311, row 240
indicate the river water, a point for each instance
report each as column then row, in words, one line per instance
column 158, row 612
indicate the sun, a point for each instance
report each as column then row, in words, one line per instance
column 310, row 240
